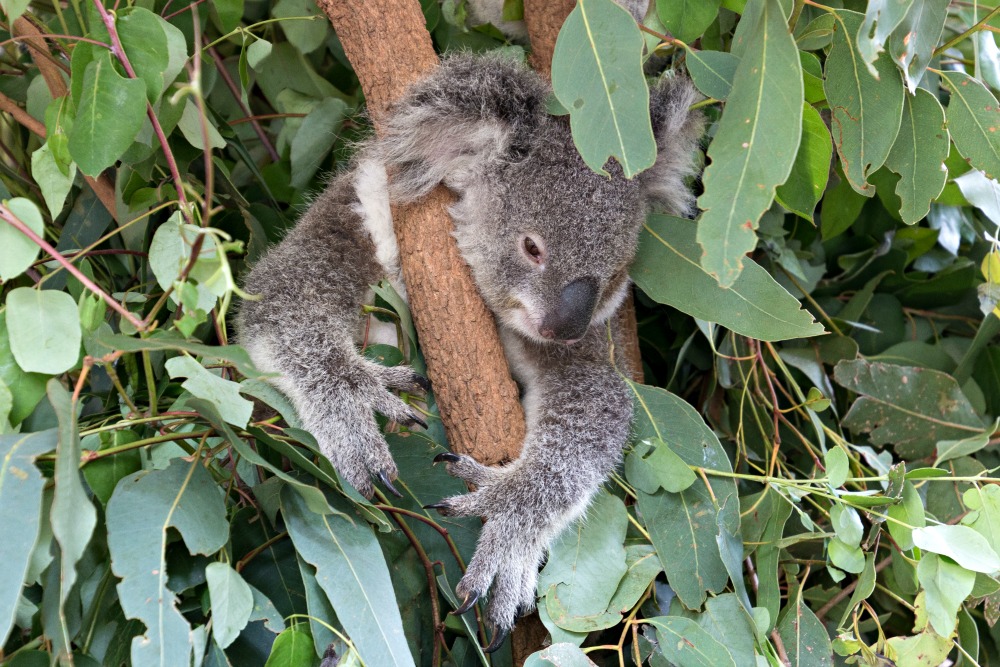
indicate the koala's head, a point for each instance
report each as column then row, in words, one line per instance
column 549, row 241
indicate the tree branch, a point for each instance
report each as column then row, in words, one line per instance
column 389, row 48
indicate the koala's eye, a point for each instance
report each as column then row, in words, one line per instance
column 533, row 250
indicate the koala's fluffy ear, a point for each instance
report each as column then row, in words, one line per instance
column 470, row 110
column 677, row 130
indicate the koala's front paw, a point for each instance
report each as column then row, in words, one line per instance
column 351, row 439
column 511, row 545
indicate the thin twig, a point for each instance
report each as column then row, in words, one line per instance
column 5, row 214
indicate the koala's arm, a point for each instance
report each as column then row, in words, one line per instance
column 578, row 410
column 303, row 328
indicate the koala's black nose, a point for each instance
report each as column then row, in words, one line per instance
column 570, row 317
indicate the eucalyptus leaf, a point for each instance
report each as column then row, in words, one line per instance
column 867, row 111
column 946, row 586
column 973, row 114
column 918, row 155
column 232, row 602
column 960, row 543
column 144, row 507
column 17, row 251
column 44, row 330
column 599, row 80
column 20, row 513
column 752, row 152
column 667, row 269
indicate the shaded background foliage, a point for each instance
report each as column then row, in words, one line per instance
column 816, row 489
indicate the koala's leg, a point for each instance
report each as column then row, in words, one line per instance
column 578, row 411
column 302, row 328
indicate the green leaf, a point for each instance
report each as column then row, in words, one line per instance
column 13, row 9
column 912, row 43
column 960, row 543
column 145, row 43
column 686, row 644
column 918, row 155
column 752, row 152
column 642, row 566
column 162, row 341
column 847, row 524
column 27, row 389
column 20, row 513
column 314, row 139
column 974, row 122
column 109, row 116
column 927, row 649
column 44, row 330
column 667, row 269
column 292, row 648
column 223, row 394
column 946, row 586
column 805, row 638
column 866, row 110
column 585, row 565
column 598, row 78
column 866, row 584
column 651, row 465
column 909, row 512
column 352, row 571
column 954, row 449
column 984, row 515
column 73, row 515
column 807, row 181
column 195, row 130
column 777, row 510
column 232, row 602
column 837, row 466
column 881, row 17
column 55, row 185
column 305, row 36
column 140, row 514
column 726, row 620
column 909, row 407
column 840, row 208
column 230, row 12
column 559, row 655
column 848, row 557
column 683, row 526
column 687, row 19
column 712, row 72
column 17, row 251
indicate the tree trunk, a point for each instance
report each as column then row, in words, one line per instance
column 389, row 48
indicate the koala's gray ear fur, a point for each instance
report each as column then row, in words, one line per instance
column 470, row 110
column 677, row 130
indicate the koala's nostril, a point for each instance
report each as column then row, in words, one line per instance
column 548, row 333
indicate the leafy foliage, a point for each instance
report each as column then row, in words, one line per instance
column 811, row 474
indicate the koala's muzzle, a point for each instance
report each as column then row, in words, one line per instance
column 569, row 319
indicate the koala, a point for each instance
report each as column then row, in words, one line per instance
column 549, row 243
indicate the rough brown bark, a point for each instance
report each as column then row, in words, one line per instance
column 543, row 19
column 389, row 48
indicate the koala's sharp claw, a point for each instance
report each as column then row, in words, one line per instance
column 415, row 420
column 387, row 483
column 441, row 507
column 467, row 604
column 421, row 382
column 498, row 639
column 447, row 457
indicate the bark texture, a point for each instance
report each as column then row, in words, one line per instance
column 389, row 48
column 543, row 19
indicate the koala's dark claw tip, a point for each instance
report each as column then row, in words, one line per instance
column 498, row 639
column 414, row 420
column 387, row 483
column 422, row 382
column 467, row 604
column 441, row 507
column 447, row 457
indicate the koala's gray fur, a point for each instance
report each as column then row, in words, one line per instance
column 478, row 125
